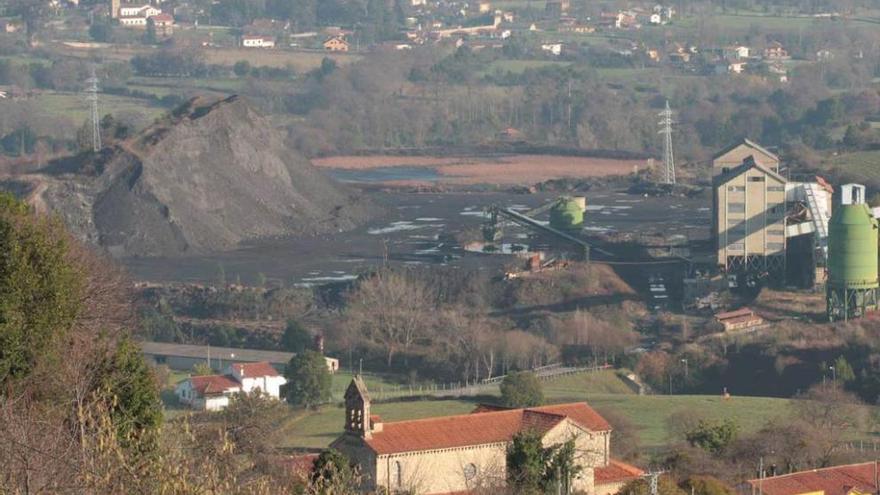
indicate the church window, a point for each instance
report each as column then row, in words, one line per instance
column 470, row 472
column 398, row 474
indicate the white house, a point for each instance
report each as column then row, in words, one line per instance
column 726, row 67
column 209, row 393
column 257, row 41
column 212, row 392
column 554, row 48
column 137, row 15
column 139, row 10
column 253, row 376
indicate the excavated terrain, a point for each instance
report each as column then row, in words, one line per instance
column 207, row 177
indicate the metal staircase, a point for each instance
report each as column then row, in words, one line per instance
column 819, row 214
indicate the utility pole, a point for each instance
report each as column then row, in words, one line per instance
column 92, row 97
column 668, row 157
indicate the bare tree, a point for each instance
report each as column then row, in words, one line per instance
column 390, row 309
column 831, row 413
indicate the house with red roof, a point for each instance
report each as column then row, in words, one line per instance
column 848, row 479
column 213, row 392
column 466, row 452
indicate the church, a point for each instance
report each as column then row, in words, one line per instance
column 467, row 452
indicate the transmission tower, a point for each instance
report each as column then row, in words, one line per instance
column 668, row 157
column 92, row 97
column 653, row 477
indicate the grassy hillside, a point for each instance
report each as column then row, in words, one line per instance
column 604, row 390
column 861, row 165
column 649, row 414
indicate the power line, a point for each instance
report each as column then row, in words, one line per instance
column 92, row 97
column 668, row 157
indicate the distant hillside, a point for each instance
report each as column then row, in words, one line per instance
column 208, row 176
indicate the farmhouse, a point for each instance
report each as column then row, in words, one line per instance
column 460, row 453
column 212, row 392
column 552, row 48
column 730, row 67
column 336, row 44
column 9, row 26
column 775, row 51
column 164, row 23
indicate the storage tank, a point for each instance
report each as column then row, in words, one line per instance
column 567, row 215
column 852, row 248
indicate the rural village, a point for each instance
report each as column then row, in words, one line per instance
column 436, row 246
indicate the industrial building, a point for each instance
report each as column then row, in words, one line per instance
column 749, row 218
column 732, row 156
column 764, row 224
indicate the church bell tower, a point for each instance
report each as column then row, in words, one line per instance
column 357, row 409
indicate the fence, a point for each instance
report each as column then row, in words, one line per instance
column 470, row 389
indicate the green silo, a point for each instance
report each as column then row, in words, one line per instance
column 852, row 262
column 567, row 215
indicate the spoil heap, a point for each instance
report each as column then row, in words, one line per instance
column 207, row 177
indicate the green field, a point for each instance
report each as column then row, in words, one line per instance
column 746, row 21
column 604, row 390
column 520, row 66
column 650, row 412
column 861, row 165
column 75, row 107
column 315, row 429
column 300, row 60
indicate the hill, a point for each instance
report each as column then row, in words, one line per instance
column 206, row 177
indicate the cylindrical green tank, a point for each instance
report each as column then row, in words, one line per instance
column 566, row 215
column 852, row 248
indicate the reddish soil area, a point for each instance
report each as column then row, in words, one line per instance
column 506, row 169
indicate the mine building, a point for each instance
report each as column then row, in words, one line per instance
column 767, row 226
column 732, row 156
column 749, row 218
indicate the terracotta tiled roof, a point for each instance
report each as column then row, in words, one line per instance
column 213, row 384
column 255, row 369
column 616, row 472
column 836, row 480
column 734, row 314
column 479, row 428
